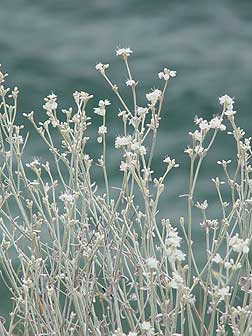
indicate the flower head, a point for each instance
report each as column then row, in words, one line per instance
column 101, row 110
column 239, row 245
column 176, row 281
column 34, row 164
column 166, row 74
column 154, row 96
column 131, row 82
column 147, row 328
column 81, row 97
column 2, row 76
column 226, row 101
column 51, row 102
column 141, row 111
column 101, row 67
column 217, row 258
column 122, row 141
column 216, row 123
column 102, row 130
column 202, row 206
column 223, row 292
column 123, row 52
column 171, row 162
column 204, row 125
column 152, row 263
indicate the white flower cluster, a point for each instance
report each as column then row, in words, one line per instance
column 102, row 130
column 228, row 264
column 81, row 97
column 142, row 111
column 154, row 96
column 18, row 139
column 196, row 135
column 172, row 243
column 239, row 245
column 131, row 161
column 131, row 82
column 122, row 141
column 51, row 103
column 217, row 258
column 138, row 148
column 209, row 224
column 147, row 328
column 171, row 162
column 67, row 197
column 202, row 206
column 177, row 282
column 167, row 74
column 227, row 103
column 101, row 110
column 34, row 164
column 232, row 265
column 223, row 292
column 2, row 76
column 124, row 52
column 152, row 263
column 214, row 123
column 101, row 67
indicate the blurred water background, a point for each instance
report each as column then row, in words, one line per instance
column 54, row 45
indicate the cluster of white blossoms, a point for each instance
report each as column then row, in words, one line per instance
column 2, row 76
column 152, row 263
column 122, row 141
column 239, row 245
column 18, row 139
column 123, row 52
column 166, row 74
column 202, row 206
column 142, row 111
column 131, row 161
column 102, row 130
column 102, row 67
column 232, row 265
column 204, row 126
column 68, row 197
column 217, row 258
column 227, row 103
column 147, row 328
column 172, row 243
column 81, row 96
column 177, row 282
column 227, row 264
column 131, row 82
column 101, row 110
column 214, row 123
column 33, row 164
column 50, row 103
column 222, row 293
column 171, row 162
column 138, row 148
column 154, row 96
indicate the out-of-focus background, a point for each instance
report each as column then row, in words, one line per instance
column 54, row 45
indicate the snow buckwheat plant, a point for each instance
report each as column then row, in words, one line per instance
column 97, row 260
